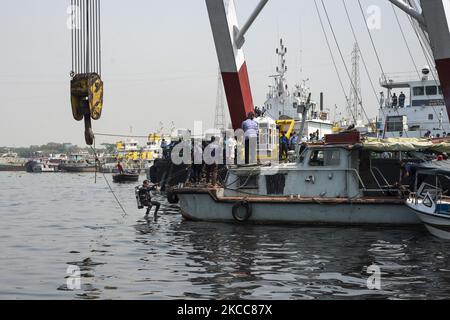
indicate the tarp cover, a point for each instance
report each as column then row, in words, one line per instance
column 400, row 144
column 434, row 167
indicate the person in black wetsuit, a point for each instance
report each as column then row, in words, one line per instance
column 145, row 194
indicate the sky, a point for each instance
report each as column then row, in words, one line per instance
column 160, row 63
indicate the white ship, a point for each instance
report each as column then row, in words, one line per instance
column 423, row 113
column 285, row 105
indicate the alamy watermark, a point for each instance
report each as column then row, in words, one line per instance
column 374, row 280
column 225, row 147
column 373, row 19
column 74, row 17
column 73, row 281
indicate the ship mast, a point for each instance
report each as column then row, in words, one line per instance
column 280, row 78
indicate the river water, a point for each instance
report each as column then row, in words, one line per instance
column 52, row 222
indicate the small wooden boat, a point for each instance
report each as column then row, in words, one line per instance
column 429, row 201
column 125, row 177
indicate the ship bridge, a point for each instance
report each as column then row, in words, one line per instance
column 421, row 112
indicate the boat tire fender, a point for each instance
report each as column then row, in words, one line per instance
column 248, row 211
column 172, row 198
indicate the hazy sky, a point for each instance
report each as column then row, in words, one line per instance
column 160, row 64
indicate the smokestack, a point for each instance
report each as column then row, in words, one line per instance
column 321, row 102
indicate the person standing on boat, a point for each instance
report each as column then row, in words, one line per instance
column 284, row 146
column 120, row 168
column 230, row 150
column 251, row 128
column 382, row 100
column 401, row 100
column 163, row 144
column 394, row 101
column 197, row 162
column 293, row 141
column 211, row 168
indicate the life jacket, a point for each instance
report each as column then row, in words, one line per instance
column 144, row 196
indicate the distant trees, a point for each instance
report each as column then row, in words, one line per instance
column 48, row 149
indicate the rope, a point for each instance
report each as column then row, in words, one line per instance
column 362, row 56
column 86, row 37
column 404, row 39
column 106, row 180
column 119, row 135
column 72, row 34
column 99, row 40
column 332, row 56
column 343, row 61
column 371, row 38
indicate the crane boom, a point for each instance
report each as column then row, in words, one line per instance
column 435, row 20
column 224, row 24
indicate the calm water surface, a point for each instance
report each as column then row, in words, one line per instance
column 51, row 221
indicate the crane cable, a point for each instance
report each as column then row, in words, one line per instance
column 343, row 61
column 362, row 56
column 371, row 39
column 106, row 180
column 86, row 37
column 404, row 39
column 332, row 57
column 375, row 51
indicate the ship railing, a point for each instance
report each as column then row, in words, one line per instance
column 399, row 77
column 358, row 176
column 365, row 189
column 381, row 175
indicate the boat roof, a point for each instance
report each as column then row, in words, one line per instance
column 434, row 167
column 334, row 146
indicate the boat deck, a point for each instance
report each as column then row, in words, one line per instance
column 213, row 192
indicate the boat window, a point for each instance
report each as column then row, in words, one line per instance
column 394, row 123
column 439, row 89
column 248, row 182
column 324, row 158
column 431, row 90
column 418, row 91
column 430, row 117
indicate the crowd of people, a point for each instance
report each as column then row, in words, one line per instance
column 429, row 135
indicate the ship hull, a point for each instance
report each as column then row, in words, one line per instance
column 206, row 206
column 12, row 168
column 79, row 169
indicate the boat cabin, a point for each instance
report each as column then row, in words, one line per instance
column 321, row 171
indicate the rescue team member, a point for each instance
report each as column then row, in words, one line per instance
column 146, row 193
column 251, row 128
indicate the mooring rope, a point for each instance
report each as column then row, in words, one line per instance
column 106, row 180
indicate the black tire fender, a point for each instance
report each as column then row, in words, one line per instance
column 172, row 198
column 248, row 211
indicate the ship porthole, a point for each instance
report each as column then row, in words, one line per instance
column 242, row 211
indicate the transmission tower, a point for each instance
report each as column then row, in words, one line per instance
column 355, row 100
column 220, row 121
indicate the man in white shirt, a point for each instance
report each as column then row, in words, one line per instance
column 251, row 128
